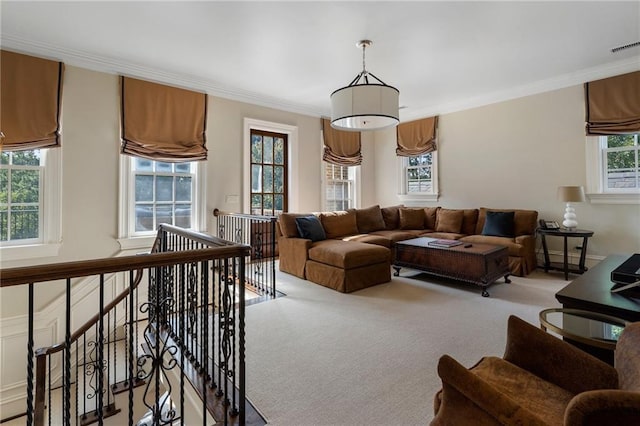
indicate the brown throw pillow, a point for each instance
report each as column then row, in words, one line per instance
column 411, row 218
column 391, row 216
column 339, row 224
column 370, row 219
column 449, row 220
column 430, row 215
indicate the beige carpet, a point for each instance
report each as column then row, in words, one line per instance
column 319, row 357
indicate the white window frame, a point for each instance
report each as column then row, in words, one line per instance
column 595, row 154
column 416, row 198
column 128, row 238
column 353, row 178
column 50, row 240
column 292, row 159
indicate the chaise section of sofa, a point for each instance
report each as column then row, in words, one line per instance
column 356, row 248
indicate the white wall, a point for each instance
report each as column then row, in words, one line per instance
column 515, row 154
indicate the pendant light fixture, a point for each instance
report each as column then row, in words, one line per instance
column 367, row 103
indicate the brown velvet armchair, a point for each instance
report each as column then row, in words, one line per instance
column 542, row 380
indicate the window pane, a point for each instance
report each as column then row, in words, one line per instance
column 25, row 222
column 144, row 188
column 4, row 157
column 163, row 167
column 621, row 170
column 142, row 164
column 183, row 188
column 183, row 215
column 267, row 201
column 256, row 204
column 256, row 178
column 268, row 150
column 4, row 188
column 278, row 149
column 256, row 149
column 278, row 203
column 164, row 214
column 268, row 179
column 616, row 141
column 183, row 167
column 144, row 217
column 25, row 186
column 26, row 158
column 164, row 188
column 278, row 179
column 4, row 224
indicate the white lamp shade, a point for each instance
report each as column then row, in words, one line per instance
column 364, row 107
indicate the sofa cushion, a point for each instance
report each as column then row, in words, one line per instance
column 514, row 248
column 537, row 395
column 369, row 239
column 348, row 254
column 288, row 225
column 499, row 224
column 309, row 227
column 525, row 221
column 449, row 220
column 442, row 235
column 430, row 215
column 411, row 218
column 395, row 235
column 340, row 223
column 391, row 216
column 469, row 221
column 369, row 219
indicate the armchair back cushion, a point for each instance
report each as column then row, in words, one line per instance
column 391, row 216
column 449, row 220
column 469, row 220
column 627, row 358
column 430, row 215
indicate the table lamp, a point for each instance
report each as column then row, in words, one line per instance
column 570, row 194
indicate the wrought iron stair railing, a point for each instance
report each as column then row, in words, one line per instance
column 185, row 328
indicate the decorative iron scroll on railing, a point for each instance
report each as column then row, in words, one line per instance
column 147, row 346
column 258, row 232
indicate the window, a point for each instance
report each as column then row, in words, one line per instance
column 155, row 192
column 418, row 177
column 268, row 172
column 30, row 225
column 21, row 185
column 339, row 187
column 613, row 169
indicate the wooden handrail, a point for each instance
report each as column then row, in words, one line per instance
column 59, row 271
column 264, row 218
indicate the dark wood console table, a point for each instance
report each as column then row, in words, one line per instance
column 565, row 234
column 592, row 292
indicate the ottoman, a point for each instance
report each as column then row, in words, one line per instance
column 348, row 266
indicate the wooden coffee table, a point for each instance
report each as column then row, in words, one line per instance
column 479, row 264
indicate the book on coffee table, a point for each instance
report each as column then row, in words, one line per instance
column 444, row 243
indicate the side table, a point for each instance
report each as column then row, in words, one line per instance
column 595, row 333
column 565, row 234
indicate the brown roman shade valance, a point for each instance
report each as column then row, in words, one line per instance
column 31, row 98
column 416, row 137
column 163, row 123
column 340, row 147
column 613, row 105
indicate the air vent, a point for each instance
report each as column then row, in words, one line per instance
column 626, row 46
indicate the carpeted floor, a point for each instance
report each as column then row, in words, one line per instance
column 319, row 357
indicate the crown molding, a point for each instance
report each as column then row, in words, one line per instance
column 112, row 65
column 559, row 82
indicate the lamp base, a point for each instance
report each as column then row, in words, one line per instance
column 570, row 221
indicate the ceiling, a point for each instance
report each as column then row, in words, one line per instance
column 442, row 56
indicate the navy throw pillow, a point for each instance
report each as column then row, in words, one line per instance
column 499, row 224
column 310, row 228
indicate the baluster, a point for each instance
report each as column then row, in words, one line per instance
column 241, row 346
column 131, row 305
column 67, row 357
column 30, row 358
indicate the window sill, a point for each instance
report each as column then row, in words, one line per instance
column 136, row 243
column 418, row 198
column 32, row 251
column 610, row 198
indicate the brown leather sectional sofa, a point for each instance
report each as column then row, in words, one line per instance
column 356, row 251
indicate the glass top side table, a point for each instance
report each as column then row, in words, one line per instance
column 589, row 328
